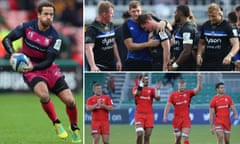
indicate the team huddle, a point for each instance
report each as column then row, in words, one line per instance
column 100, row 105
column 152, row 44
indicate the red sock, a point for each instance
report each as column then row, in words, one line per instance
column 186, row 142
column 49, row 109
column 72, row 114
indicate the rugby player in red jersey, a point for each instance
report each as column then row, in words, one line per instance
column 144, row 116
column 220, row 121
column 100, row 105
column 181, row 100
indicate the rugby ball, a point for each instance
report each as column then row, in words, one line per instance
column 19, row 62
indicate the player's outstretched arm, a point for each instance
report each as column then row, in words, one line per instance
column 137, row 91
column 199, row 84
column 234, row 110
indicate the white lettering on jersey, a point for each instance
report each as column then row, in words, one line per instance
column 187, row 38
column 235, row 32
column 162, row 35
column 57, row 44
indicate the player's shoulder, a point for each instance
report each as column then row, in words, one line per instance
column 206, row 24
column 174, row 93
column 215, row 97
column 94, row 25
column 105, row 96
column 189, row 26
column 54, row 32
column 225, row 24
column 148, row 87
column 32, row 24
column 227, row 96
column 90, row 97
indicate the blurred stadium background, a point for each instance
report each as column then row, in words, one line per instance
column 22, row 119
column 164, row 9
column 123, row 115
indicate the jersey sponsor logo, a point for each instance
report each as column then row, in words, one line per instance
column 37, row 38
column 222, row 106
column 213, row 40
column 181, row 102
column 107, row 41
column 144, row 97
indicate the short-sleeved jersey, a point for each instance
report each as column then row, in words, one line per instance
column 102, row 36
column 144, row 100
column 217, row 39
column 36, row 43
column 132, row 30
column 157, row 52
column 100, row 114
column 181, row 102
column 221, row 105
column 185, row 34
column 237, row 56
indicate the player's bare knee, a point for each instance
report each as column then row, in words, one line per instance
column 227, row 142
column 147, row 135
column 44, row 98
column 140, row 134
column 71, row 104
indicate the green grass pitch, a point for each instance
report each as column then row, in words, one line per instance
column 162, row 134
column 22, row 120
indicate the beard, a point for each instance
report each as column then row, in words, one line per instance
column 45, row 24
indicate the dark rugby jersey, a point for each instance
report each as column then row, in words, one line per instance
column 132, row 30
column 36, row 44
column 184, row 34
column 102, row 35
column 157, row 52
column 237, row 56
column 217, row 38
